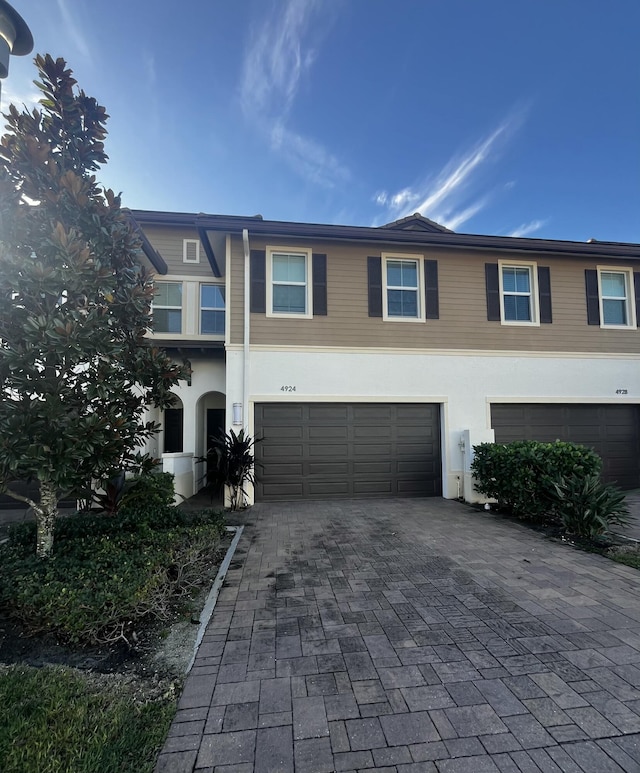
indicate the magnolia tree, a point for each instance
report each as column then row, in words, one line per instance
column 76, row 371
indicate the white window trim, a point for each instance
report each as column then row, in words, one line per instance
column 171, row 308
column 534, row 294
column 186, row 242
column 271, row 251
column 202, row 308
column 419, row 259
column 191, row 320
column 631, row 299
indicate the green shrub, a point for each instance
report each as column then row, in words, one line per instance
column 521, row 475
column 108, row 574
column 149, row 490
column 587, row 507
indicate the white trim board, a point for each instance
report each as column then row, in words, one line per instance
column 390, row 351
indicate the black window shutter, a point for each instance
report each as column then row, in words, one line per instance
column 636, row 284
column 432, row 302
column 374, row 272
column 593, row 305
column 319, row 276
column 544, row 294
column 258, row 282
column 493, row 291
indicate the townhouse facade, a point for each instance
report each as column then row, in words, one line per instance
column 369, row 361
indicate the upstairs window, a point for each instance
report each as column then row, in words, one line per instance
column 519, row 294
column 616, row 307
column 211, row 310
column 290, row 283
column 516, row 293
column 403, row 288
column 167, row 307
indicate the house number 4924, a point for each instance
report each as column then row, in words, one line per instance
column 287, row 389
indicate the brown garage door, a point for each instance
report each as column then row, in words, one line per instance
column 611, row 430
column 334, row 450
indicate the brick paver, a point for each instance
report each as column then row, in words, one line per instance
column 412, row 635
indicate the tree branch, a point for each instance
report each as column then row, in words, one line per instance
column 20, row 498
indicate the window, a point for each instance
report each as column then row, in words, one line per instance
column 211, row 310
column 190, row 251
column 516, row 293
column 173, row 430
column 403, row 288
column 167, row 307
column 519, row 294
column 289, row 274
column 617, row 308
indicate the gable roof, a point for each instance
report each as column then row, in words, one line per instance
column 416, row 222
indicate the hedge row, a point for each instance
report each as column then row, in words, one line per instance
column 549, row 482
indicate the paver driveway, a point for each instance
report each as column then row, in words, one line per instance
column 412, row 635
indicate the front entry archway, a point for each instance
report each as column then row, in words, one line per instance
column 210, row 420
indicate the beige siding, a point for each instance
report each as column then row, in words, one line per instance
column 463, row 315
column 236, row 276
column 168, row 242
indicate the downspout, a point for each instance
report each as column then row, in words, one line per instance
column 247, row 316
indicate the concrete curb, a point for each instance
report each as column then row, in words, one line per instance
column 212, row 598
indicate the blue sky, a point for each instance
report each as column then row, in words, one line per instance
column 508, row 117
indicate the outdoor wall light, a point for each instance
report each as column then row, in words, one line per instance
column 15, row 36
column 237, row 413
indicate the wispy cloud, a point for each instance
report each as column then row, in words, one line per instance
column 279, row 55
column 275, row 61
column 311, row 159
column 454, row 221
column 73, row 29
column 528, row 228
column 445, row 198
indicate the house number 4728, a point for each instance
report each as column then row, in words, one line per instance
column 287, row 389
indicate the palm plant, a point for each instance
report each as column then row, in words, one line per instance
column 588, row 507
column 230, row 463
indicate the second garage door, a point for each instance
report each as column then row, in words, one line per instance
column 611, row 430
column 334, row 450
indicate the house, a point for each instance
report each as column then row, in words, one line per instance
column 371, row 360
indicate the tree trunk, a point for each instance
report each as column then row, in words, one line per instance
column 46, row 514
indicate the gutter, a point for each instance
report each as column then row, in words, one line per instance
column 247, row 325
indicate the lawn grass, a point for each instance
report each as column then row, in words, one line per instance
column 624, row 557
column 58, row 720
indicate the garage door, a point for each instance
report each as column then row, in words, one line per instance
column 334, row 450
column 611, row 430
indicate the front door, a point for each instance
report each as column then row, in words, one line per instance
column 215, row 425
